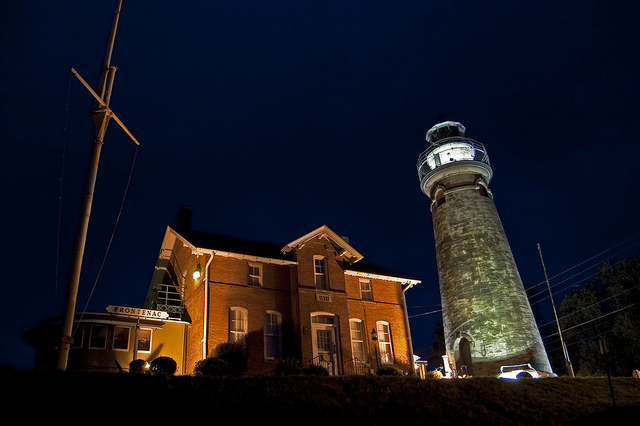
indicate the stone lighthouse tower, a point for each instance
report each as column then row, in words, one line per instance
column 487, row 318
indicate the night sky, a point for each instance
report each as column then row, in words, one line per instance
column 270, row 119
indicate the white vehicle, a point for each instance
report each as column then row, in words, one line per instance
column 514, row 372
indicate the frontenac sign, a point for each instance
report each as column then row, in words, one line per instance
column 137, row 312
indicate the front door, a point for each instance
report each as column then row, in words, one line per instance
column 325, row 347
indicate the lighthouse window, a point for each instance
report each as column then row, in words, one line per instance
column 455, row 151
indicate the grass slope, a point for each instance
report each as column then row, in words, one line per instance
column 117, row 398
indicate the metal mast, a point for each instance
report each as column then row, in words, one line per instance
column 101, row 114
column 562, row 344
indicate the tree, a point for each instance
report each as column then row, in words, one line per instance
column 438, row 347
column 226, row 359
column 608, row 308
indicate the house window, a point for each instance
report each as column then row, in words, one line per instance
column 366, row 293
column 255, row 274
column 238, row 325
column 272, row 335
column 98, row 339
column 121, row 338
column 78, row 336
column 320, row 273
column 143, row 340
column 384, row 342
column 358, row 347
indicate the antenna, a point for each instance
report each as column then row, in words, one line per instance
column 564, row 347
column 101, row 114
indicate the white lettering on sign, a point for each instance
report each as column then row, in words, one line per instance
column 137, row 312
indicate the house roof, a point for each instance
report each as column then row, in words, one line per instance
column 239, row 247
column 343, row 248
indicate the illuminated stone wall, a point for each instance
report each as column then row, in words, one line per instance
column 487, row 318
column 482, row 294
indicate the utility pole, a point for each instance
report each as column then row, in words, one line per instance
column 101, row 114
column 564, row 348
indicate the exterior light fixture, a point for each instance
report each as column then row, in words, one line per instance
column 374, row 335
column 197, row 273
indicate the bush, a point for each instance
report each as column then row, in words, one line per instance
column 315, row 370
column 227, row 359
column 213, row 367
column 234, row 354
column 287, row 367
column 390, row 370
column 435, row 374
column 163, row 365
column 138, row 366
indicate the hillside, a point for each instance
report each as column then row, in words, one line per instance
column 117, row 398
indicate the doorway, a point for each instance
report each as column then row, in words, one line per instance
column 325, row 343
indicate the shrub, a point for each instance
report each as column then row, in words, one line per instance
column 213, row 367
column 163, row 365
column 138, row 366
column 287, row 367
column 234, row 354
column 389, row 370
column 315, row 370
column 435, row 374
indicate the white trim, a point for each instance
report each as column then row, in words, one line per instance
column 113, row 338
column 137, row 336
column 362, row 341
column 245, row 326
column 259, row 275
column 347, row 251
column 385, row 343
column 381, row 277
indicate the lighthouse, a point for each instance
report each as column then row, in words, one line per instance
column 488, row 322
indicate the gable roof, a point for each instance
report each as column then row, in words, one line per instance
column 260, row 251
column 343, row 248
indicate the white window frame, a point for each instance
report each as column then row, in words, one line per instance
column 273, row 331
column 238, row 325
column 366, row 294
column 358, row 339
column 141, row 333
column 385, row 344
column 97, row 327
column 320, row 273
column 116, row 331
column 252, row 277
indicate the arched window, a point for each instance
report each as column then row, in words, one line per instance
column 358, row 344
column 384, row 342
column 238, row 325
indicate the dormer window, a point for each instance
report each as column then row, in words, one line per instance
column 320, row 273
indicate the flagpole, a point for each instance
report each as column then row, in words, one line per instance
column 101, row 115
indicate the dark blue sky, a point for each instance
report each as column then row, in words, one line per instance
column 270, row 119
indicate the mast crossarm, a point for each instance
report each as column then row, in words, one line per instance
column 108, row 110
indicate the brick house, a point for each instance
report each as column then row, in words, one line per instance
column 312, row 299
